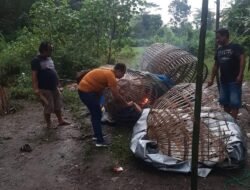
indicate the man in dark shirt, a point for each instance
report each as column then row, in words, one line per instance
column 45, row 83
column 229, row 59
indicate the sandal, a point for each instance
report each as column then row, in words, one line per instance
column 26, row 148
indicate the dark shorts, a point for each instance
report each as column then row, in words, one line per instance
column 53, row 101
column 230, row 95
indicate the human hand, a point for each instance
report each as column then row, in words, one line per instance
column 43, row 99
column 41, row 96
column 60, row 90
column 210, row 83
column 131, row 103
column 239, row 79
column 37, row 92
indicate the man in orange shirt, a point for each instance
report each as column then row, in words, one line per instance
column 90, row 90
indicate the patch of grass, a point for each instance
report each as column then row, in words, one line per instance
column 134, row 58
column 120, row 152
column 209, row 61
column 22, row 93
column 88, row 152
column 247, row 70
column 119, row 149
column 22, row 89
column 243, row 180
column 73, row 102
column 16, row 105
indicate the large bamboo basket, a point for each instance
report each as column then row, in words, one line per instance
column 170, row 124
column 178, row 64
column 141, row 88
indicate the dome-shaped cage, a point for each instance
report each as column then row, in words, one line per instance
column 170, row 124
column 152, row 51
column 166, row 59
column 141, row 88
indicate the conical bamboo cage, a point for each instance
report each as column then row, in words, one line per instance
column 170, row 124
column 176, row 63
column 141, row 88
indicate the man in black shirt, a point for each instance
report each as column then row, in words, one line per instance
column 229, row 59
column 45, row 83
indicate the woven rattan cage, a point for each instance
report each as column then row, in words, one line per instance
column 141, row 88
column 170, row 124
column 178, row 64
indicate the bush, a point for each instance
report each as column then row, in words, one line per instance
column 127, row 52
column 23, row 88
column 142, row 42
column 16, row 56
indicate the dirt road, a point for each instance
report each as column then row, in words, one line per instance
column 66, row 159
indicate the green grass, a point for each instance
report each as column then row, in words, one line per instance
column 131, row 56
column 119, row 150
column 209, row 61
column 73, row 102
column 247, row 70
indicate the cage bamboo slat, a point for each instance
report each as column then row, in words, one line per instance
column 170, row 123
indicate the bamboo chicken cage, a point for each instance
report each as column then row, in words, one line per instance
column 141, row 88
column 178, row 64
column 170, row 124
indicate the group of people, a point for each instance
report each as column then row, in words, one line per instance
column 229, row 59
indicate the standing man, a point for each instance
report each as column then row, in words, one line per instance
column 229, row 59
column 90, row 90
column 45, row 83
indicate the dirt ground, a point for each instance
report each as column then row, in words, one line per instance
column 66, row 159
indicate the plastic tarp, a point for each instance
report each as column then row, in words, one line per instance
column 147, row 150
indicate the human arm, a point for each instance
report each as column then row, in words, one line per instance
column 35, row 67
column 213, row 74
column 36, row 88
column 137, row 107
column 118, row 97
column 112, row 84
column 35, row 82
column 242, row 67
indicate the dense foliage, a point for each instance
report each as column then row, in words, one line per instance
column 83, row 37
column 87, row 33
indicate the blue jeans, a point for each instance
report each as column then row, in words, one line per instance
column 230, row 95
column 92, row 101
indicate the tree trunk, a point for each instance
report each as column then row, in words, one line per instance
column 248, row 69
column 4, row 103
